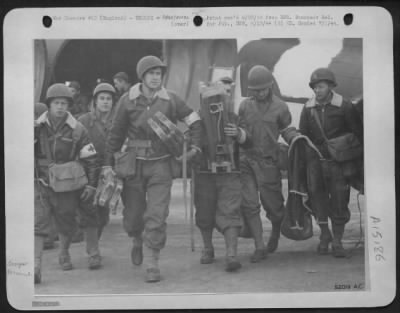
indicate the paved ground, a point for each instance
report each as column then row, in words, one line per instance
column 294, row 267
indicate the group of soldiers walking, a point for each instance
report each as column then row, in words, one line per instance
column 73, row 155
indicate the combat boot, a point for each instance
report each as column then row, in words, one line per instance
column 325, row 239
column 39, row 244
column 337, row 247
column 255, row 226
column 274, row 237
column 151, row 257
column 207, row 254
column 92, row 248
column 232, row 264
column 64, row 258
column 137, row 251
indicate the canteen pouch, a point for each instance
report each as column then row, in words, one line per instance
column 125, row 163
column 68, row 176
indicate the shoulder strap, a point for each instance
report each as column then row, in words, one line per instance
column 75, row 139
column 270, row 134
column 316, row 117
column 45, row 145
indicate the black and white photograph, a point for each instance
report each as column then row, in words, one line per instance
column 220, row 165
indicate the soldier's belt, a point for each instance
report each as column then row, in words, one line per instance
column 139, row 143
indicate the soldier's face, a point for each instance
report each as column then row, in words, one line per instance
column 74, row 91
column 152, row 78
column 58, row 107
column 104, row 102
column 262, row 94
column 228, row 88
column 119, row 84
column 322, row 90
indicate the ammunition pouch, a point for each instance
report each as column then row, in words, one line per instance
column 68, row 176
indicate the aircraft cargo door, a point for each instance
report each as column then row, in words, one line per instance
column 88, row 60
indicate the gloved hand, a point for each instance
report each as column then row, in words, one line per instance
column 88, row 193
column 107, row 173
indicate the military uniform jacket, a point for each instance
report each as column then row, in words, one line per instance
column 273, row 114
column 69, row 142
column 133, row 112
column 97, row 131
column 338, row 117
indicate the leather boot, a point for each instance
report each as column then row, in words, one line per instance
column 151, row 257
column 274, row 237
column 64, row 258
column 325, row 239
column 207, row 254
column 92, row 248
column 255, row 226
column 137, row 251
column 39, row 244
column 231, row 241
column 337, row 247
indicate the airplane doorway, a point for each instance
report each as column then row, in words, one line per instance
column 88, row 60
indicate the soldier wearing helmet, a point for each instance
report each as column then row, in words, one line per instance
column 122, row 83
column 330, row 191
column 147, row 190
column 80, row 103
column 60, row 140
column 266, row 118
column 98, row 123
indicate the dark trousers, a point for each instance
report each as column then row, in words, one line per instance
column 329, row 191
column 63, row 207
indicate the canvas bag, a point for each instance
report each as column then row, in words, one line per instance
column 343, row 148
column 69, row 176
column 64, row 177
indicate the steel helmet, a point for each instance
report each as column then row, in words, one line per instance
column 103, row 87
column 148, row 62
column 322, row 74
column 39, row 109
column 259, row 78
column 58, row 91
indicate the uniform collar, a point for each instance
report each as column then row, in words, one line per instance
column 336, row 100
column 135, row 92
column 70, row 121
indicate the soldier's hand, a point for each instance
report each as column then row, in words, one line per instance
column 107, row 173
column 88, row 193
column 190, row 155
column 231, row 130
